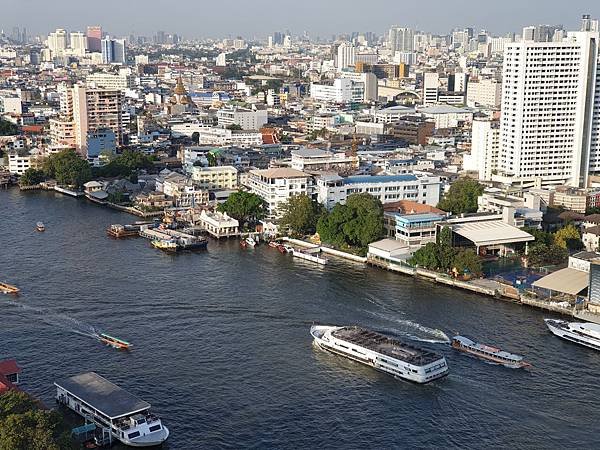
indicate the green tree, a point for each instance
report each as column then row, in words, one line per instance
column 7, row 128
column 234, row 126
column 426, row 257
column 31, row 177
column 466, row 261
column 67, row 168
column 446, row 253
column 568, row 237
column 355, row 224
column 461, row 197
column 299, row 215
column 125, row 164
column 546, row 255
column 23, row 426
column 541, row 237
column 246, row 207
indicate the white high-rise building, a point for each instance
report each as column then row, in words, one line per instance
column 485, row 148
column 401, row 39
column 431, row 85
column 78, row 43
column 345, row 55
column 57, row 42
column 551, row 111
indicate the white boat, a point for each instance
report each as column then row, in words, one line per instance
column 399, row 359
column 582, row 333
column 118, row 414
column 250, row 241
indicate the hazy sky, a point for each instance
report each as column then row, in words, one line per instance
column 222, row 18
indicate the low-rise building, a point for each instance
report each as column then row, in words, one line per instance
column 421, row 188
column 275, row 186
column 215, row 178
column 316, row 159
column 219, row 225
column 248, row 119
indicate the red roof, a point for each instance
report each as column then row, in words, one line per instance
column 410, row 207
column 9, row 366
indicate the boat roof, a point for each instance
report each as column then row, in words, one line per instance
column 102, row 395
column 487, row 348
column 108, row 336
column 386, row 345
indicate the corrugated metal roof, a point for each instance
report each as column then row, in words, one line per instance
column 567, row 281
column 491, row 232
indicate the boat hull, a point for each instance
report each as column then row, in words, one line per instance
column 322, row 340
column 557, row 330
column 475, row 353
column 149, row 440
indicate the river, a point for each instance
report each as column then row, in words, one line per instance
column 222, row 348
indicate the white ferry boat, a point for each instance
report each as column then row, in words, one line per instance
column 383, row 353
column 582, row 333
column 118, row 414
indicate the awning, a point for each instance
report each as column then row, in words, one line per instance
column 567, row 281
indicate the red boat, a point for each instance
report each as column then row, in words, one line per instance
column 243, row 243
column 281, row 248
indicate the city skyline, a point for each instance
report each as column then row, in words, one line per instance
column 252, row 20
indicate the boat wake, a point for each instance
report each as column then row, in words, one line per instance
column 56, row 320
column 416, row 331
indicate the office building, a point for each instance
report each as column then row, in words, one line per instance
column 486, row 92
column 113, row 51
column 345, row 55
column 78, row 43
column 57, row 42
column 342, row 90
column 248, row 119
column 401, row 40
column 94, row 36
column 431, row 88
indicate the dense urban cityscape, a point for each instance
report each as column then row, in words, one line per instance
column 258, row 218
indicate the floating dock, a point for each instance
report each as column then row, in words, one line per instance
column 310, row 255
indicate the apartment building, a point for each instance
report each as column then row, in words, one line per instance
column 215, row 178
column 275, row 186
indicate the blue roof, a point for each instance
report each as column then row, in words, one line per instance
column 379, row 179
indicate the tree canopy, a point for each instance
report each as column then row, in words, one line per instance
column 246, row 207
column 442, row 256
column 31, row 177
column 7, row 128
column 299, row 215
column 67, row 168
column 353, row 225
column 23, row 426
column 462, row 196
column 568, row 238
column 125, row 164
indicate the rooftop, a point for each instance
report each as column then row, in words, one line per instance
column 104, row 396
column 567, row 281
column 379, row 179
column 491, row 232
column 279, row 172
column 386, row 345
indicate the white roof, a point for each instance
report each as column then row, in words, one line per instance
column 491, row 232
column 388, row 245
column 567, row 281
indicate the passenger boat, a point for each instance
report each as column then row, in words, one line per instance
column 114, row 342
column 250, row 241
column 123, row 231
column 489, row 353
column 6, row 288
column 166, row 245
column 40, row 226
column 399, row 359
column 117, row 414
column 582, row 333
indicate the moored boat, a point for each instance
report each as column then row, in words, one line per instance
column 166, row 245
column 582, row 333
column 250, row 241
column 273, row 244
column 114, row 342
column 40, row 226
column 281, row 248
column 122, row 231
column 488, row 353
column 386, row 354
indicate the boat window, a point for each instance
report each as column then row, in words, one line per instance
column 133, row 435
column 154, row 428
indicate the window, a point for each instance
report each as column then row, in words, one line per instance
column 154, row 428
column 133, row 435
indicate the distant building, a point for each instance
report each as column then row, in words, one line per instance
column 94, row 36
column 308, row 159
column 276, row 186
column 113, row 51
column 215, row 178
column 248, row 119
